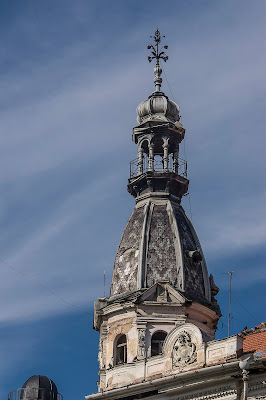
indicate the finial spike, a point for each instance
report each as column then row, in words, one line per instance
column 157, row 54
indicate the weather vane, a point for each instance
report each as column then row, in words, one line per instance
column 158, row 53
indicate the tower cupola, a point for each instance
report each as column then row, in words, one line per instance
column 161, row 293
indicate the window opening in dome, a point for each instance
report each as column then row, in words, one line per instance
column 145, row 146
column 121, row 350
column 157, row 342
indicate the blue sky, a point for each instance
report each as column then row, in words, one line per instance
column 72, row 74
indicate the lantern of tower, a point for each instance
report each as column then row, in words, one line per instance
column 161, row 309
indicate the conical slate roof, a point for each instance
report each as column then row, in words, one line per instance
column 159, row 243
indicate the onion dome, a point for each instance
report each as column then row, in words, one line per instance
column 159, row 243
column 158, row 108
column 39, row 387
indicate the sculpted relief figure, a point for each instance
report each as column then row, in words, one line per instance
column 141, row 343
column 184, row 351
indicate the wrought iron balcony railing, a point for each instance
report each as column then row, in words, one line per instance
column 158, row 164
column 32, row 393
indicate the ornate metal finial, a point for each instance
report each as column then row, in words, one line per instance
column 157, row 54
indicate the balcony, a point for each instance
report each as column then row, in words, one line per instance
column 158, row 164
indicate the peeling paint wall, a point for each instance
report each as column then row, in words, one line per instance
column 149, row 318
column 138, row 370
column 121, row 324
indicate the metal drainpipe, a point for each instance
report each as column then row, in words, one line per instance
column 145, row 366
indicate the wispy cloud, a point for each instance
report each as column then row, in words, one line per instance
column 83, row 118
column 30, row 257
column 68, row 96
column 237, row 228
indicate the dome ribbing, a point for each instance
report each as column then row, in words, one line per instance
column 160, row 244
column 158, row 108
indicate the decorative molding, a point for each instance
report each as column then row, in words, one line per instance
column 258, row 398
column 178, row 247
column 210, row 394
column 245, row 374
column 172, row 339
column 257, row 385
column 263, row 397
column 184, row 350
column 141, row 343
column 143, row 244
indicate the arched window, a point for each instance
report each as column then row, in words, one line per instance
column 121, row 350
column 157, row 341
column 158, row 154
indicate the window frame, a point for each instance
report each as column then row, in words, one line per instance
column 120, row 350
column 159, row 342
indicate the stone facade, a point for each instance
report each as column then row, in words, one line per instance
column 189, row 327
column 188, row 368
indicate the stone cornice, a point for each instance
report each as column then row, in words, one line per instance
column 153, row 319
column 210, row 394
column 226, row 369
column 257, row 385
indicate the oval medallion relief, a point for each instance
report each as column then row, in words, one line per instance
column 184, row 350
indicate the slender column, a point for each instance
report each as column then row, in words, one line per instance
column 165, row 157
column 140, row 161
column 245, row 385
column 151, row 157
column 175, row 161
